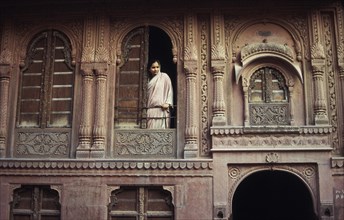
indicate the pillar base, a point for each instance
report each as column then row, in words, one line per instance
column 190, row 151
column 219, row 121
column 83, row 153
column 97, row 153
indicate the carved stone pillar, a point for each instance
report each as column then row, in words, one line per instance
column 291, row 98
column 4, row 86
column 190, row 67
column 85, row 130
column 219, row 118
column 318, row 66
column 99, row 130
column 245, row 85
column 218, row 64
column 191, row 130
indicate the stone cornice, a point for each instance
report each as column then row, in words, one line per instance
column 337, row 162
column 235, row 130
column 97, row 167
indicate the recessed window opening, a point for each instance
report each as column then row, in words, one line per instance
column 139, row 47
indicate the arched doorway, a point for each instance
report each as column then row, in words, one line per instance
column 140, row 45
column 272, row 195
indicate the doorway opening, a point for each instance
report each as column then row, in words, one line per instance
column 271, row 195
column 160, row 47
column 139, row 46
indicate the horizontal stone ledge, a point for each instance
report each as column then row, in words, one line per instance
column 263, row 149
column 337, row 162
column 242, row 130
column 106, row 164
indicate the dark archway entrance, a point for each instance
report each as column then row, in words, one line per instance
column 272, row 195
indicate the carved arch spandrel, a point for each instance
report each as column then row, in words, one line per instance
column 307, row 174
column 299, row 42
column 119, row 29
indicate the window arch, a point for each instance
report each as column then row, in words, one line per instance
column 131, row 202
column 35, row 202
column 268, row 98
column 139, row 46
column 46, row 83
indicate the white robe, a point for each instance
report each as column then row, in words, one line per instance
column 159, row 92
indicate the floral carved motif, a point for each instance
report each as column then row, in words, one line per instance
column 288, row 141
column 269, row 114
column 204, row 27
column 129, row 143
column 42, row 144
column 331, row 79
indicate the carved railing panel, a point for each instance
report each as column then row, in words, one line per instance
column 42, row 144
column 145, row 143
column 269, row 114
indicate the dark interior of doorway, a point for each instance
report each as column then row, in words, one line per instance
column 160, row 47
column 272, row 195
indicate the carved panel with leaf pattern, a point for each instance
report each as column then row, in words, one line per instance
column 145, row 142
column 42, row 144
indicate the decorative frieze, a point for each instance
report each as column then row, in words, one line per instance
column 77, row 165
column 261, row 141
column 271, row 137
column 235, row 130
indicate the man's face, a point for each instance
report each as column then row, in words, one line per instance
column 155, row 68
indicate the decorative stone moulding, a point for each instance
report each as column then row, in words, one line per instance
column 337, row 162
column 255, row 51
column 273, row 48
column 235, row 130
column 105, row 165
column 271, row 137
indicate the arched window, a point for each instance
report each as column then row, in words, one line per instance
column 134, row 202
column 140, row 45
column 46, row 83
column 268, row 98
column 35, row 203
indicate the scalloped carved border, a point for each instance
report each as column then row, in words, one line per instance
column 105, row 165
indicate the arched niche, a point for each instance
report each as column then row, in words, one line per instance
column 273, row 194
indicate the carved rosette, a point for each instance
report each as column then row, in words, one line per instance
column 4, row 92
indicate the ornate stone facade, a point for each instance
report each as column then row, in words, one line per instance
column 257, row 93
